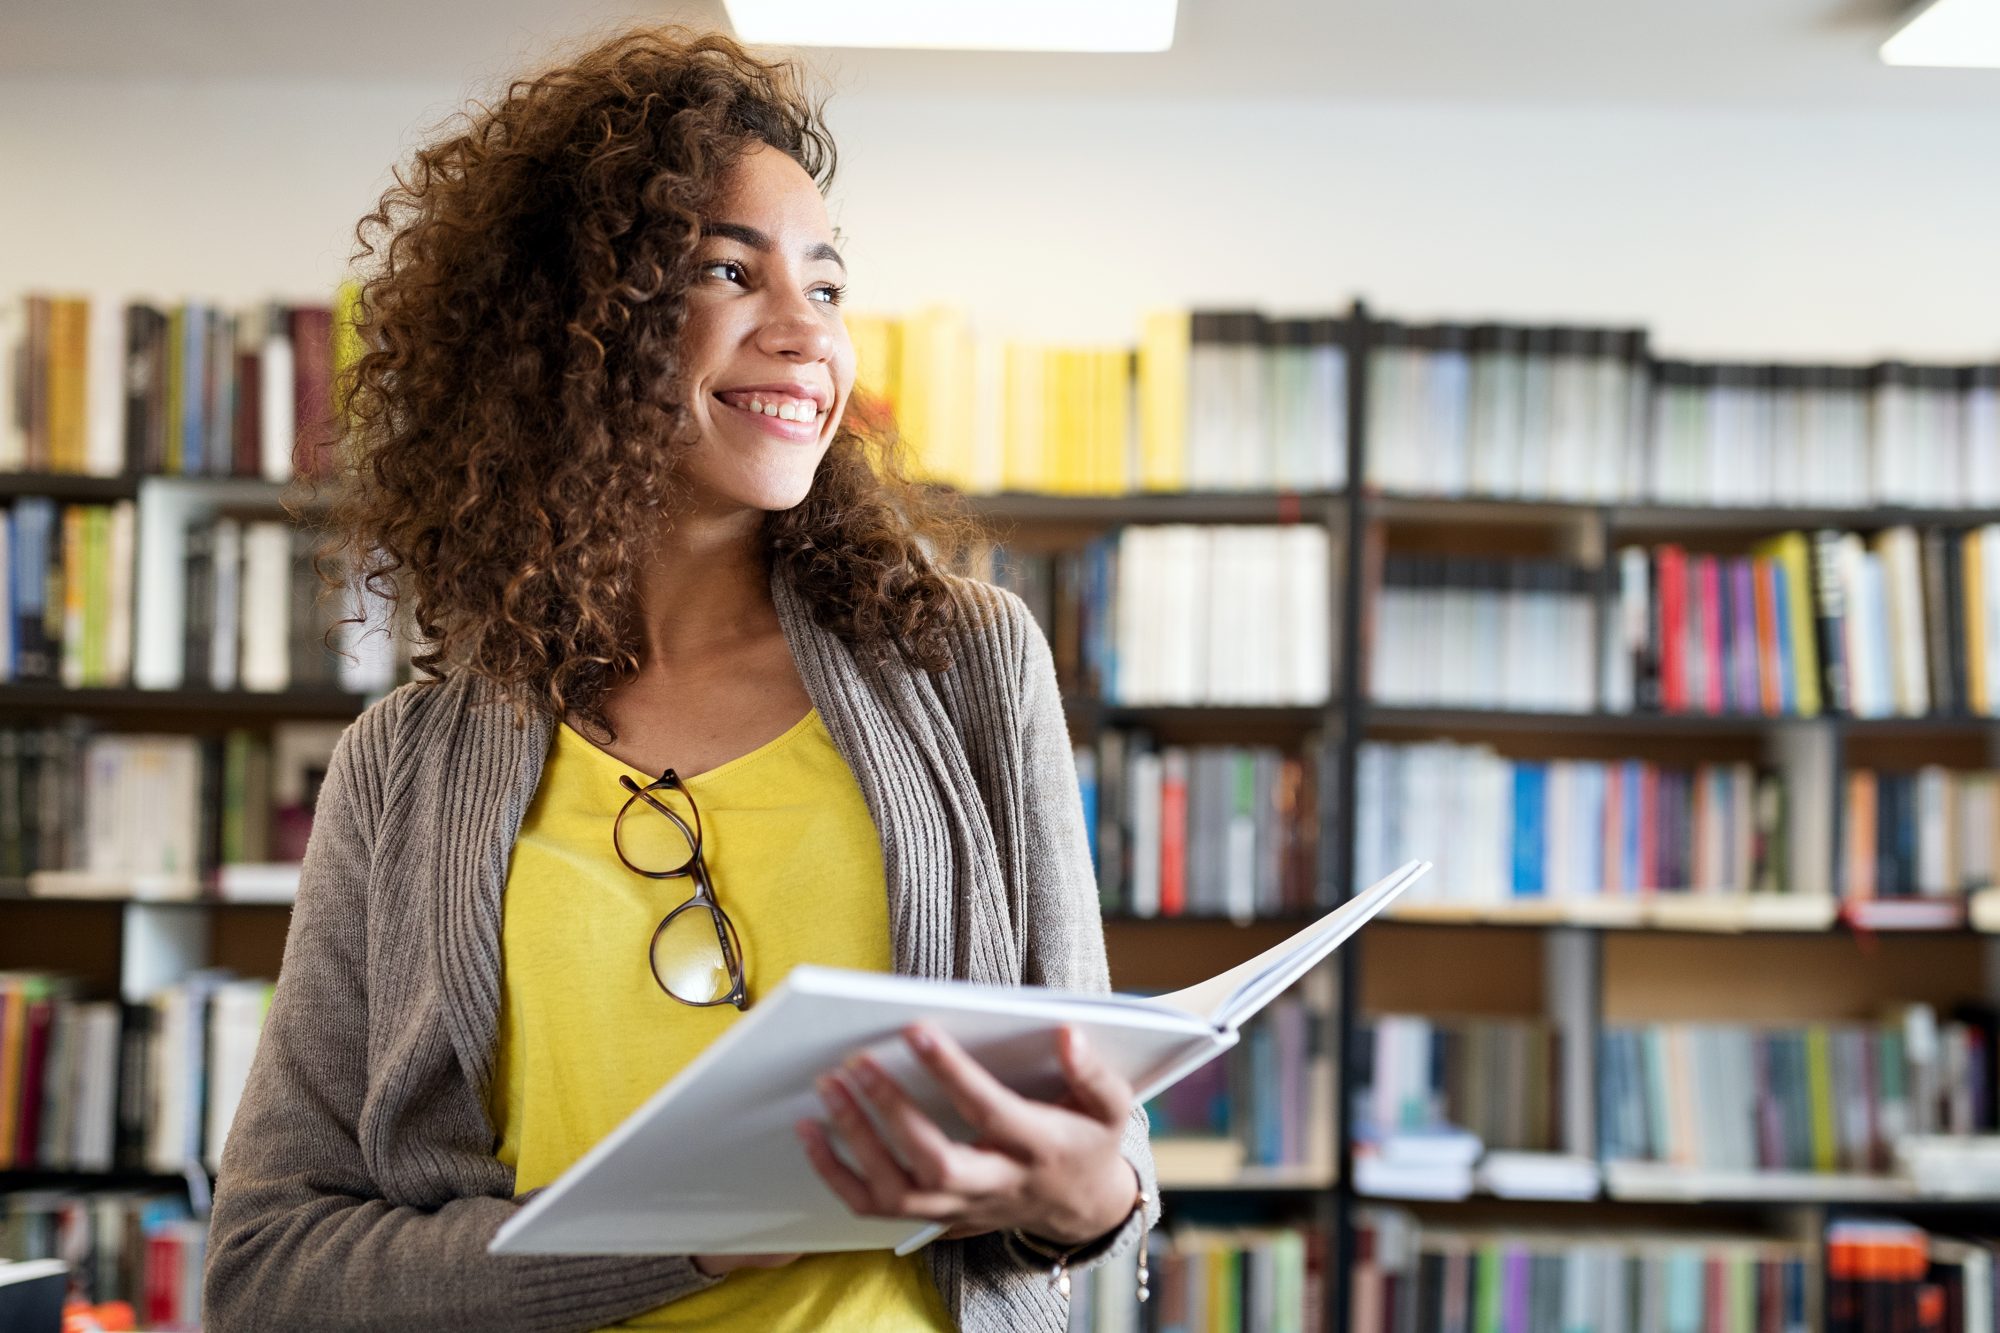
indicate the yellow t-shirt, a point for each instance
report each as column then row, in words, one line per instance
column 586, row 1035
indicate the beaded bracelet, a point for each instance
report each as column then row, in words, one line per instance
column 1059, row 1259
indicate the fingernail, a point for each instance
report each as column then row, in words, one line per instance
column 866, row 1071
column 921, row 1038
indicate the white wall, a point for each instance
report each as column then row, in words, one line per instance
column 1781, row 234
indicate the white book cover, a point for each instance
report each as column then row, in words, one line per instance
column 95, row 1099
column 267, row 593
column 225, row 648
column 13, row 351
column 235, row 1019
column 1143, row 778
column 104, row 385
column 276, row 401
column 1909, row 651
column 118, row 631
column 711, row 1164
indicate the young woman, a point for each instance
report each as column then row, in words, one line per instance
column 699, row 703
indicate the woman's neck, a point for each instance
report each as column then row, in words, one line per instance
column 706, row 586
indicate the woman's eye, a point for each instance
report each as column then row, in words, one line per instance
column 829, row 295
column 731, row 270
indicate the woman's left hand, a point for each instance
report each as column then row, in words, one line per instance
column 1052, row 1169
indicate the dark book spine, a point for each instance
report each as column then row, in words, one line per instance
column 1933, row 557
column 1830, row 620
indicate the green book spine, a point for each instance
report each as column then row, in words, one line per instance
column 1487, row 1314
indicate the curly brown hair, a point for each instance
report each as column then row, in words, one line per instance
column 513, row 420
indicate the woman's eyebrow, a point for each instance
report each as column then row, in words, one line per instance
column 757, row 240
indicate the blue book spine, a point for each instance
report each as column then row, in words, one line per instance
column 194, row 345
column 1781, row 611
column 1632, row 790
column 1530, row 781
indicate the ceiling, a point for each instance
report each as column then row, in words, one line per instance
column 1817, row 54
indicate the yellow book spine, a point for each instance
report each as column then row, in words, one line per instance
column 1055, row 421
column 1025, row 426
column 1972, row 578
column 1114, row 408
column 346, row 340
column 1163, row 401
column 13, row 1013
column 1819, row 1090
column 75, row 585
column 96, row 592
column 914, row 377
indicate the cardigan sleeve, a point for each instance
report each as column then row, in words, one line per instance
column 1064, row 927
column 300, row 1237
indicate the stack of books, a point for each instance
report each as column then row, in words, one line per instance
column 1201, row 830
column 118, row 814
column 1267, row 1278
column 1497, row 1079
column 1465, row 632
column 1730, row 1099
column 67, row 574
column 1614, row 841
column 1413, row 1277
column 1886, row 1276
column 109, row 388
column 1208, row 401
column 98, row 1085
column 1263, row 1113
column 1833, row 437
column 140, row 1247
column 1507, row 412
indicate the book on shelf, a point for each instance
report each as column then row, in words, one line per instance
column 1825, row 1098
column 1202, row 830
column 818, row 1017
column 1918, row 844
column 1205, row 401
column 1207, row 1276
column 1897, row 624
column 108, row 386
column 1413, row 1276
column 1492, row 1083
column 1478, row 632
column 1264, row 1110
column 1504, row 411
column 1886, row 1275
column 69, row 592
column 85, row 813
column 141, row 1248
column 1186, row 614
column 1614, row 842
column 146, row 1084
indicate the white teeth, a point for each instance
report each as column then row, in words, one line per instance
column 788, row 410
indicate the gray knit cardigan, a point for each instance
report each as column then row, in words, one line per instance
column 359, row 1188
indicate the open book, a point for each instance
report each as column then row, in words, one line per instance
column 710, row 1164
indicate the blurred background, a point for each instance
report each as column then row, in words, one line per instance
column 1557, row 440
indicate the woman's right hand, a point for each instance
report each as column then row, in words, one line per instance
column 715, row 1265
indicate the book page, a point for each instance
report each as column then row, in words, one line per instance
column 1229, row 998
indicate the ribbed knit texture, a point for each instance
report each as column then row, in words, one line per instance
column 358, row 1187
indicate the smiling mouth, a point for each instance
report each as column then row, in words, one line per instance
column 771, row 403
column 787, row 418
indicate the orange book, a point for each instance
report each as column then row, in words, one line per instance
column 1860, row 842
column 1972, row 579
column 1770, row 689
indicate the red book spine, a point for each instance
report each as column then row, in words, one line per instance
column 163, row 1280
column 1173, row 838
column 1672, row 564
column 1710, row 574
column 34, row 1060
column 312, row 369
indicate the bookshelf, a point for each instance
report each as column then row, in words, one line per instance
column 1578, row 966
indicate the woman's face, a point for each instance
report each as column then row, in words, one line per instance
column 766, row 355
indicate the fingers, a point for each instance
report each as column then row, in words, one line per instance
column 933, row 1161
column 877, row 1185
column 994, row 1111
column 1098, row 1089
